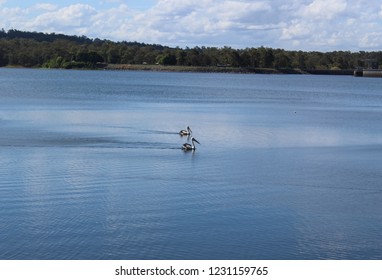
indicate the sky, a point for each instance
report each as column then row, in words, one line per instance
column 308, row 25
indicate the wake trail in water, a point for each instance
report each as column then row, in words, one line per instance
column 146, row 131
column 74, row 140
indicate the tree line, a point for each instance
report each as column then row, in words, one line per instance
column 36, row 49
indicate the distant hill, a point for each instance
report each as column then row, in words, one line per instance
column 51, row 37
column 42, row 37
column 37, row 49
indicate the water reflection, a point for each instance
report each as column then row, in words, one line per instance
column 103, row 175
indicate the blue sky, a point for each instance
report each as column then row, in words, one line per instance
column 308, row 25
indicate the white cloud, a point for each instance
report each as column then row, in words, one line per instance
column 324, row 9
column 196, row 22
column 371, row 40
column 45, row 6
column 305, row 24
column 77, row 16
column 237, row 10
column 296, row 29
column 331, row 24
column 16, row 14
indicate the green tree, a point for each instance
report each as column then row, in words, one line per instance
column 33, row 49
column 266, row 57
column 3, row 58
column 167, row 59
column 281, row 60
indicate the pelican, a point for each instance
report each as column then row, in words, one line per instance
column 190, row 147
column 184, row 132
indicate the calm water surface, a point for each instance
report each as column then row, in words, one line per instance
column 289, row 167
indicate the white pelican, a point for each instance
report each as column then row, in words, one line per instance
column 190, row 147
column 184, row 132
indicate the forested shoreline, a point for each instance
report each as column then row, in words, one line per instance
column 36, row 49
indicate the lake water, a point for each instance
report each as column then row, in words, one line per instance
column 91, row 166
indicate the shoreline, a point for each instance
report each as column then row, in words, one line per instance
column 202, row 69
column 222, row 69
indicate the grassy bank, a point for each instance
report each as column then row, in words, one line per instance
column 173, row 68
column 201, row 69
column 221, row 69
column 204, row 69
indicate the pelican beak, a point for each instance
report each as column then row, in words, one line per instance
column 197, row 141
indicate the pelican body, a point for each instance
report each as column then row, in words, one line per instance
column 185, row 132
column 190, row 147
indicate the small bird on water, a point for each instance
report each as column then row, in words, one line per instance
column 190, row 147
column 185, row 132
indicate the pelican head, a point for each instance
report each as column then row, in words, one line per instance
column 194, row 140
